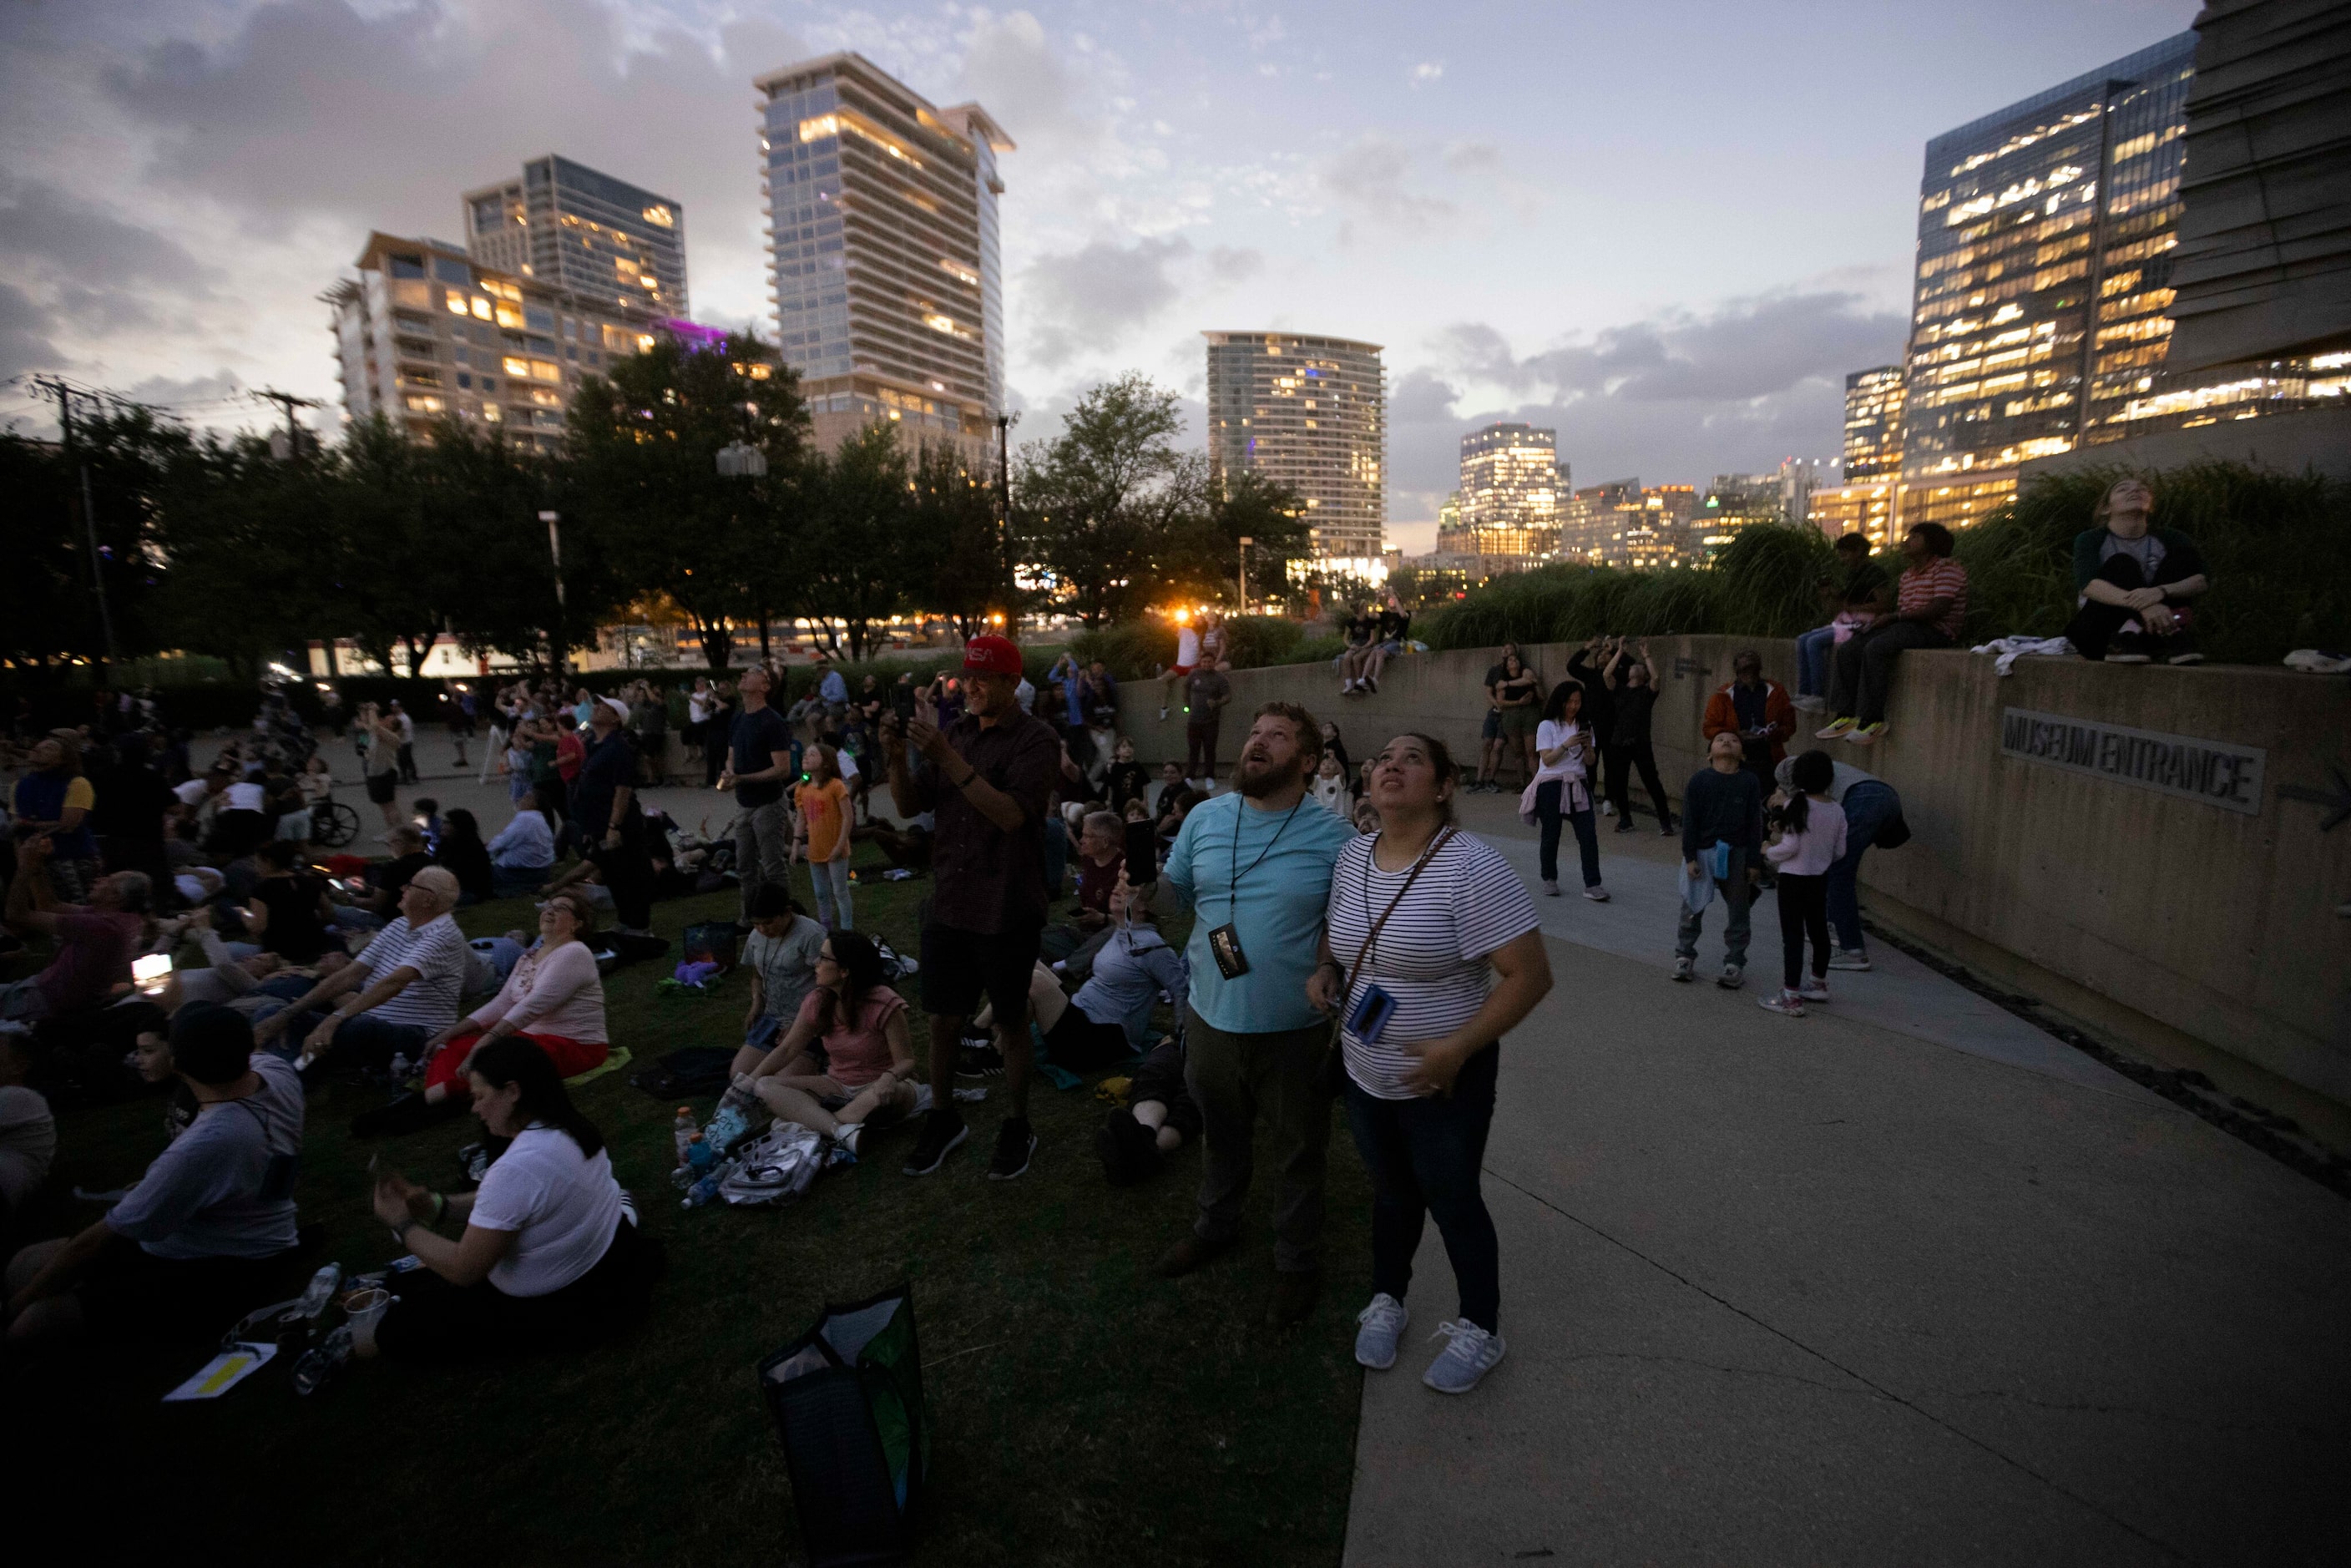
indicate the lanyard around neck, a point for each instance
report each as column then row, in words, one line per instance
column 1233, row 886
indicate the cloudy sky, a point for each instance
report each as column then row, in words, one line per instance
column 1667, row 230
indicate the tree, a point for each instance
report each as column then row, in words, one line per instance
column 858, row 551
column 1204, row 557
column 645, row 446
column 1105, row 504
column 959, row 537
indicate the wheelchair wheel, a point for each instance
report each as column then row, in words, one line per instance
column 333, row 824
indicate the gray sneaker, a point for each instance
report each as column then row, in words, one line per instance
column 1731, row 977
column 1469, row 1355
column 1849, row 958
column 1383, row 1324
column 1685, row 969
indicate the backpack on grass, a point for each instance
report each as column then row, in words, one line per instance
column 847, row 1399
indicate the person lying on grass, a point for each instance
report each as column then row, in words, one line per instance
column 553, row 998
column 549, row 1257
column 867, row 1076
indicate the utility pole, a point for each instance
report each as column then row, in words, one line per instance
column 554, row 521
column 289, row 402
column 64, row 395
column 1245, row 542
column 1004, row 513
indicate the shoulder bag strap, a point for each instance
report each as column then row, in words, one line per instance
column 1420, row 865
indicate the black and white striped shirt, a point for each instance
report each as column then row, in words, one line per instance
column 1431, row 954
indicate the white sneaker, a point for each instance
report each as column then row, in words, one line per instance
column 1470, row 1353
column 849, row 1136
column 1849, row 958
column 1383, row 1322
column 1783, row 1002
column 1731, row 977
column 1608, row 808
column 1597, row 894
column 1685, row 969
column 1813, row 989
column 1808, row 704
column 1550, row 890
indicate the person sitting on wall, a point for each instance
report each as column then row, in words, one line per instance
column 1858, row 589
column 1931, row 607
column 2135, row 583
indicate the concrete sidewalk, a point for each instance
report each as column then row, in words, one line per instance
column 1905, row 1280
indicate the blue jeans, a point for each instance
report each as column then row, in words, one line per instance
column 1587, row 835
column 1868, row 806
column 1424, row 1157
column 1812, row 650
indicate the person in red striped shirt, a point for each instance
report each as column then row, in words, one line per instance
column 1930, row 605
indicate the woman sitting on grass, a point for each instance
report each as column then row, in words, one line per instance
column 554, row 999
column 867, row 1076
column 550, row 1257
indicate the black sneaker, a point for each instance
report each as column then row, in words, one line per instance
column 2131, row 648
column 1014, row 1145
column 978, row 1061
column 2179, row 648
column 943, row 1130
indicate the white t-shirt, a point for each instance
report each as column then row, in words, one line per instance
column 562, row 1207
column 189, row 793
column 1549, row 735
column 1187, row 647
column 246, row 796
column 28, row 1141
column 1431, row 954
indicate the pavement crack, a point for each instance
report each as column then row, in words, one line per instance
column 2097, row 1407
column 1961, row 1433
column 1863, row 1393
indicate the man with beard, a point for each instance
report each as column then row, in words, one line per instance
column 1255, row 864
column 990, row 778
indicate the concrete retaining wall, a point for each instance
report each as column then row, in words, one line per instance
column 2216, row 922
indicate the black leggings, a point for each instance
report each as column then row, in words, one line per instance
column 433, row 1319
column 1803, row 908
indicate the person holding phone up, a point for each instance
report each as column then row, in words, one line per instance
column 1431, row 953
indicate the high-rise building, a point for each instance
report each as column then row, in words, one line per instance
column 2045, row 232
column 1864, row 507
column 425, row 332
column 1589, row 522
column 1873, row 422
column 1511, row 491
column 569, row 226
column 1309, row 412
column 1620, row 523
column 1734, row 501
column 884, row 252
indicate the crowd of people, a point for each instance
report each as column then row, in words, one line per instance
column 1348, row 941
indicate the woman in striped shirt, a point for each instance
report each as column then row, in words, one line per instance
column 1430, row 955
column 1930, row 610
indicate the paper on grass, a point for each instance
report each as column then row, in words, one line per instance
column 224, row 1371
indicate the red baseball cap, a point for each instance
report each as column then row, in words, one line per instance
column 992, row 656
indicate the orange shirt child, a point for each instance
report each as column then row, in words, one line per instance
column 825, row 817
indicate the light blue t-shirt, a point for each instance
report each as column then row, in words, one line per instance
column 1278, row 912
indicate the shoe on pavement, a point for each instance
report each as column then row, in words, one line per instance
column 1787, row 1004
column 1669, row 829
column 1849, row 958
column 1731, row 977
column 1294, row 1295
column 1470, row 1354
column 1836, row 729
column 1192, row 1252
column 1608, row 808
column 1016, row 1143
column 1597, row 894
column 1813, row 989
column 1383, row 1325
column 1867, row 733
column 1627, row 825
column 943, row 1130
column 1551, row 889
column 1685, row 969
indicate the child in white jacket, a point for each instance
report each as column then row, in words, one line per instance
column 1807, row 837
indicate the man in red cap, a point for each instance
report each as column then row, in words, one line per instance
column 989, row 778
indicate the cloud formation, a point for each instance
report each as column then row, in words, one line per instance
column 1088, row 298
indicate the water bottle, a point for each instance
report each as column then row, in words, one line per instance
column 700, row 1154
column 400, row 1067
column 703, row 1191
column 685, row 1131
column 320, row 1291
column 319, row 1365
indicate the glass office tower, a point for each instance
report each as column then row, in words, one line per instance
column 574, row 228
column 2043, row 277
column 1511, row 490
column 1309, row 412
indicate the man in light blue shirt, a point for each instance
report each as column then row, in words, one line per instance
column 832, row 688
column 1255, row 865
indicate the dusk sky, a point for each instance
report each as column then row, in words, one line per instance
column 1668, row 230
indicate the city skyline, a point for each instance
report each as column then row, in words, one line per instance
column 1322, row 170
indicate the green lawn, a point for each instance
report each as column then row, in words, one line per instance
column 1085, row 1411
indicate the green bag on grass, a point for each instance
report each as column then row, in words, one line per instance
column 847, row 1399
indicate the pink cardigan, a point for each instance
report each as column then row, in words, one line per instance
column 1813, row 850
column 551, row 992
